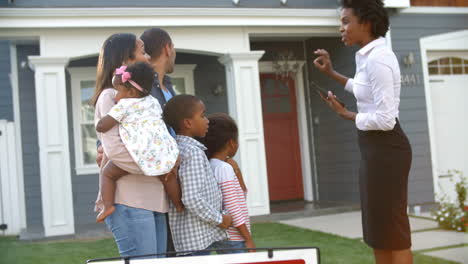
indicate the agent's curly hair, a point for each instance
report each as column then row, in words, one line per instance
column 372, row 11
column 142, row 73
column 222, row 128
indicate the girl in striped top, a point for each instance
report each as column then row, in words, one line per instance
column 221, row 141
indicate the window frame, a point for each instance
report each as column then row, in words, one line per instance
column 450, row 66
column 185, row 71
column 77, row 75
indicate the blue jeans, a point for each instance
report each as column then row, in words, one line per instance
column 138, row 231
column 233, row 245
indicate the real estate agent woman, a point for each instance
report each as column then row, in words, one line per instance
column 385, row 149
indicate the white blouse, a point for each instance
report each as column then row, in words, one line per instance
column 376, row 86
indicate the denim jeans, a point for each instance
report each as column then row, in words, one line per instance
column 233, row 245
column 138, row 231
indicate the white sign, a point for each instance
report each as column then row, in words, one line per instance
column 297, row 256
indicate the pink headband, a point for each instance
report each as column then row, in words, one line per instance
column 126, row 76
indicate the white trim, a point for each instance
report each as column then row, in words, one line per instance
column 435, row 55
column 330, row 30
column 445, row 41
column 166, row 12
column 244, row 103
column 47, row 61
column 304, row 136
column 430, row 114
column 19, row 144
column 397, row 3
column 435, row 10
column 388, row 38
column 9, row 189
column 267, row 67
column 314, row 178
column 241, row 56
column 185, row 71
column 78, row 74
column 145, row 17
column 54, row 152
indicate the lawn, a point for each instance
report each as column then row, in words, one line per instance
column 333, row 249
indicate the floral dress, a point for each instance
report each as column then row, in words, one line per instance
column 145, row 134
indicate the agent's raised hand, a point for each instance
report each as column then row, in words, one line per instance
column 323, row 62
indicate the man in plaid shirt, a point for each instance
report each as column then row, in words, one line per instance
column 202, row 223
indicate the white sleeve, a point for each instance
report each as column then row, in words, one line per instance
column 349, row 85
column 381, row 80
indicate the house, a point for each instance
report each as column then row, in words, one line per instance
column 229, row 54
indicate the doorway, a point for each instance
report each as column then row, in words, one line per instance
column 281, row 133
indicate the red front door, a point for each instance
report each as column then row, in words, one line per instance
column 281, row 138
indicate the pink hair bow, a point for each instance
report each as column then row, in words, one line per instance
column 121, row 70
column 126, row 76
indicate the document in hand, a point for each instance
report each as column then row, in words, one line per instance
column 324, row 93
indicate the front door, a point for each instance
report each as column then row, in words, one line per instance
column 281, row 138
column 448, row 77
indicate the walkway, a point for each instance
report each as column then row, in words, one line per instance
column 426, row 236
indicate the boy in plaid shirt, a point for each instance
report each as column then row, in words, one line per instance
column 202, row 223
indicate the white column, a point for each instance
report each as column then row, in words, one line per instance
column 245, row 106
column 51, row 103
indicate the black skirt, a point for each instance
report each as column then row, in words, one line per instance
column 385, row 165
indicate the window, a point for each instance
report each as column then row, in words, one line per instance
column 448, row 66
column 182, row 78
column 82, row 87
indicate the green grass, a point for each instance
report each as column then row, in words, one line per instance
column 13, row 251
column 333, row 249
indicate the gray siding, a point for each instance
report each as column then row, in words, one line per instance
column 6, row 98
column 31, row 169
column 407, row 29
column 337, row 152
column 208, row 73
column 174, row 3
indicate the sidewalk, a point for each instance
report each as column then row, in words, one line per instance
column 426, row 237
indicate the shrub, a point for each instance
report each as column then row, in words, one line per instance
column 451, row 215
